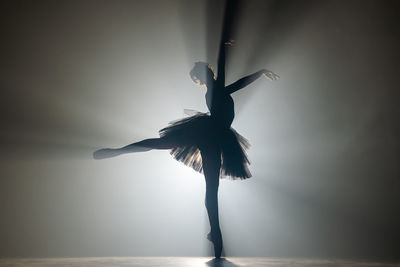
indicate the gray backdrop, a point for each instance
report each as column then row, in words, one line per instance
column 76, row 76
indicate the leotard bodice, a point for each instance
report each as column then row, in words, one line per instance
column 221, row 106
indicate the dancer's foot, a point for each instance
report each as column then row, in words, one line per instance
column 270, row 75
column 209, row 237
column 217, row 246
column 216, row 239
column 106, row 153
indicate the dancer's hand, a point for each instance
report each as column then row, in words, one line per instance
column 230, row 42
column 270, row 75
column 106, row 153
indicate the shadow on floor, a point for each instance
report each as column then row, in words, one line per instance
column 220, row 263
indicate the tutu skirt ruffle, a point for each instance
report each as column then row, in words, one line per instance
column 201, row 131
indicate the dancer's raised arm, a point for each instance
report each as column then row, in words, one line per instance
column 221, row 62
column 243, row 82
column 226, row 35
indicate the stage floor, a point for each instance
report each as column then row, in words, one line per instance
column 184, row 262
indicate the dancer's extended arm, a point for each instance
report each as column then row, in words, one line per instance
column 243, row 82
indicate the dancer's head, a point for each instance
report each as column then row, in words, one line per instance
column 202, row 72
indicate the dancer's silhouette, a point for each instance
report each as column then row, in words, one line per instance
column 205, row 141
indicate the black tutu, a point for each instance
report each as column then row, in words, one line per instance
column 201, row 130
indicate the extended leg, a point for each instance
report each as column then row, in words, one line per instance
column 211, row 166
column 149, row 144
column 144, row 145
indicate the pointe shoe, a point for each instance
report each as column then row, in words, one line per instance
column 218, row 247
column 105, row 153
column 216, row 239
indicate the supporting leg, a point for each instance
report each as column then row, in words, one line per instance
column 211, row 158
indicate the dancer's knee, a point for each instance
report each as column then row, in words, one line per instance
column 157, row 143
